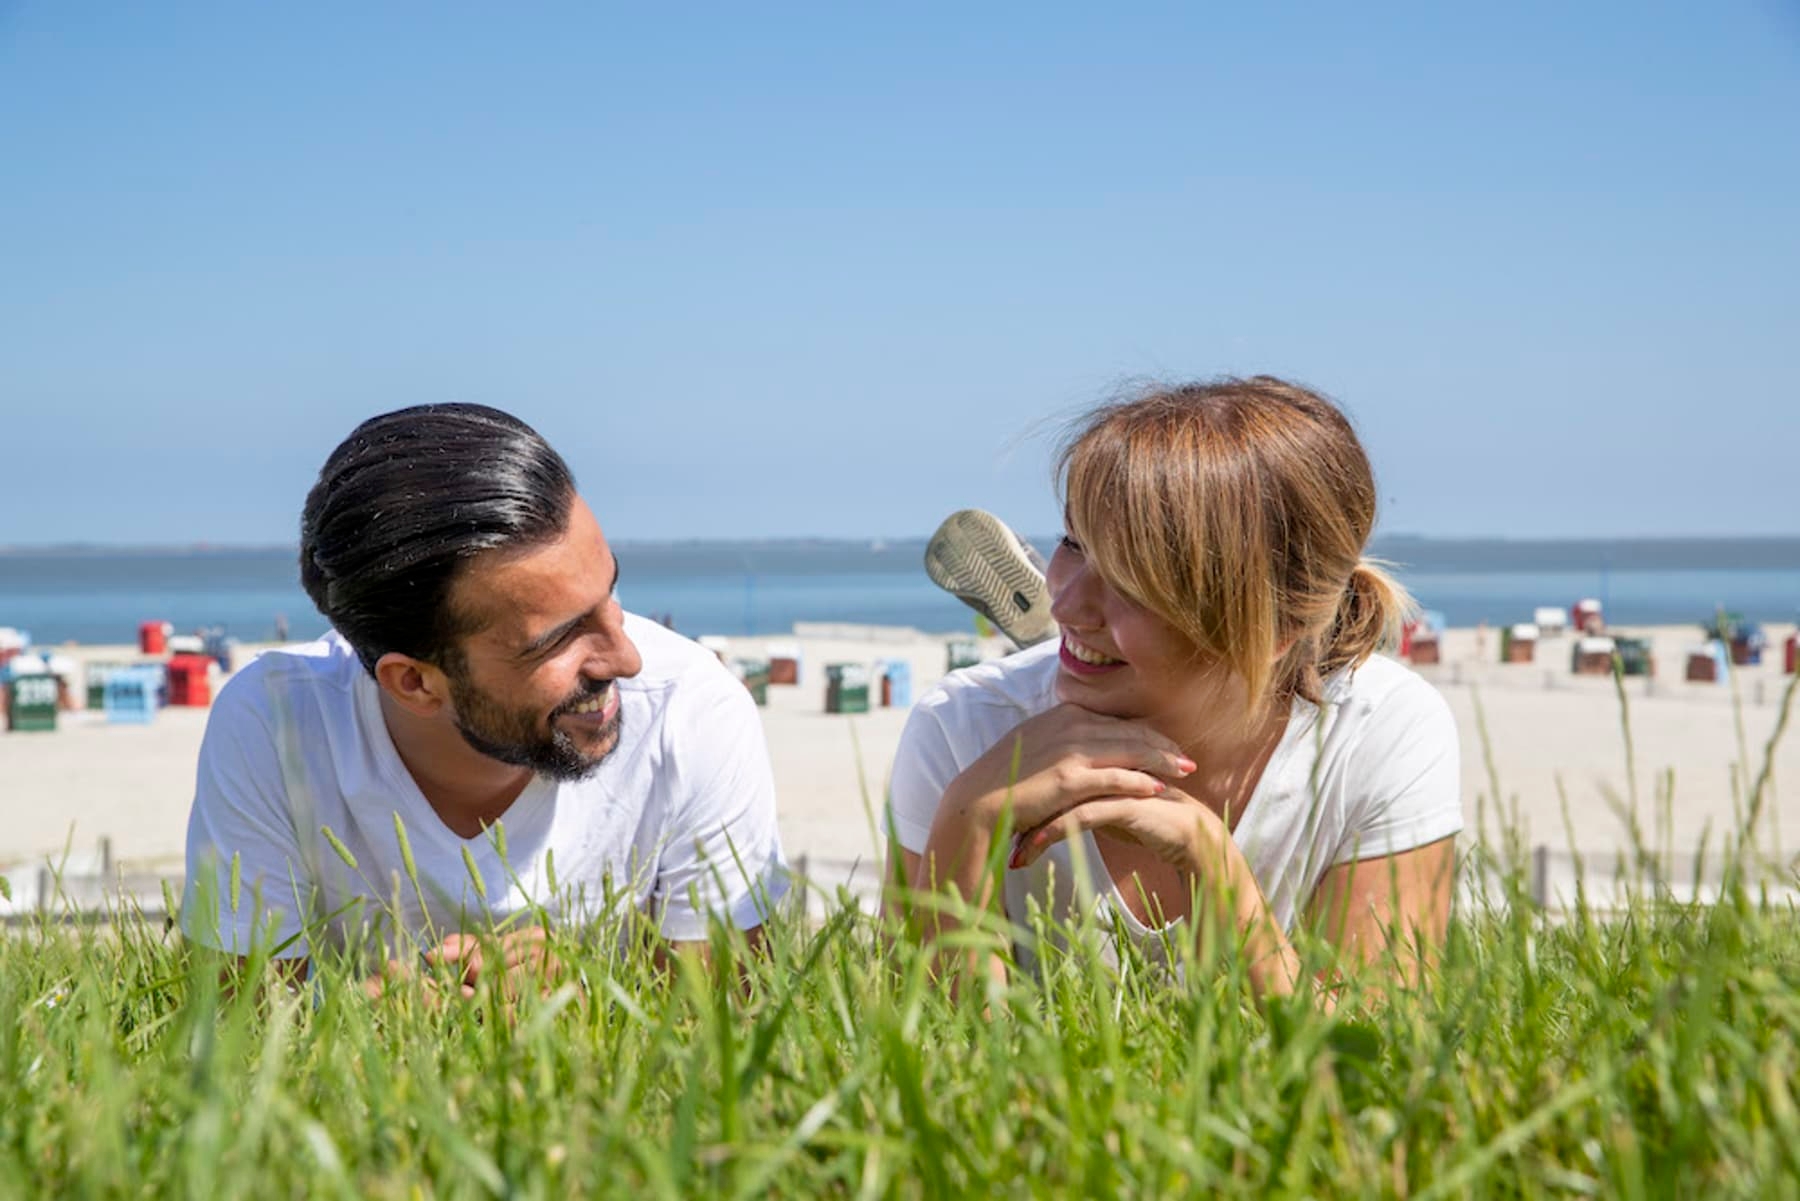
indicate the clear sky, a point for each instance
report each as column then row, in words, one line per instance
column 769, row 270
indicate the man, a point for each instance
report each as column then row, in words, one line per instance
column 484, row 737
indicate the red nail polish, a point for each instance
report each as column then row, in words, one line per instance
column 1186, row 765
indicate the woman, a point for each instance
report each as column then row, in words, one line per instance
column 1211, row 727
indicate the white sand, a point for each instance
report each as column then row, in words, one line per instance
column 1547, row 730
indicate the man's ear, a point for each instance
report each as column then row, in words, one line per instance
column 413, row 684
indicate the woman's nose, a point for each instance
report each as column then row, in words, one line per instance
column 1074, row 595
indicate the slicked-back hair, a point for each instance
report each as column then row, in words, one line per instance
column 405, row 503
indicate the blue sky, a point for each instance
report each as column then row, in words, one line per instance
column 768, row 270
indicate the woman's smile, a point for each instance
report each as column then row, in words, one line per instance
column 1084, row 660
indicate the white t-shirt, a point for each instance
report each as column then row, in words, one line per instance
column 1373, row 772
column 678, row 821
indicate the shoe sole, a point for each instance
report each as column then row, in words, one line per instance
column 974, row 557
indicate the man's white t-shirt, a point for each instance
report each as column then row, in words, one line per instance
column 678, row 822
column 1374, row 771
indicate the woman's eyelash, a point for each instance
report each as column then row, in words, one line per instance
column 1069, row 544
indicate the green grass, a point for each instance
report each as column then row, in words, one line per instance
column 1651, row 1051
column 1653, row 1054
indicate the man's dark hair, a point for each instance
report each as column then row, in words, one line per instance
column 401, row 507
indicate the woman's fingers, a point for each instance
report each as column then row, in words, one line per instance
column 1172, row 824
column 1088, row 815
column 1102, row 741
column 1038, row 798
column 1121, row 781
column 1082, row 723
column 1133, row 753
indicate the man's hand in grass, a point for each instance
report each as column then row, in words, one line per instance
column 521, row 960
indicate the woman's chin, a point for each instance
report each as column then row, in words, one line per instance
column 1072, row 690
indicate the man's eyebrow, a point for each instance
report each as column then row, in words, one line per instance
column 550, row 637
column 555, row 634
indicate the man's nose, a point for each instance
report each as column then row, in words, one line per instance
column 612, row 655
column 621, row 664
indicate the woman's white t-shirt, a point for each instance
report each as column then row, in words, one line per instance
column 1373, row 771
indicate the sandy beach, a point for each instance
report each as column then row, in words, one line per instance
column 1552, row 735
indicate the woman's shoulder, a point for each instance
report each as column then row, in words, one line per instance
column 998, row 691
column 954, row 723
column 1380, row 688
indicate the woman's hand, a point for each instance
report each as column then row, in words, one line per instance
column 1173, row 826
column 1048, row 764
column 1189, row 836
column 1059, row 759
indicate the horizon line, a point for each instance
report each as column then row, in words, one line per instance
column 205, row 546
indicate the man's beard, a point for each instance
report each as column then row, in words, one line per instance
column 512, row 735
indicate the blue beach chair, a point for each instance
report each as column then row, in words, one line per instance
column 132, row 695
column 896, row 674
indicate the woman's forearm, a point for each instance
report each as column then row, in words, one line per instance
column 1230, row 893
column 957, row 851
column 952, row 878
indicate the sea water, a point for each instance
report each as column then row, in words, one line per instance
column 100, row 596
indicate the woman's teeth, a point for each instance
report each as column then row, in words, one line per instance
column 594, row 703
column 1086, row 655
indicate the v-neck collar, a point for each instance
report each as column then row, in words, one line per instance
column 416, row 812
column 1302, row 715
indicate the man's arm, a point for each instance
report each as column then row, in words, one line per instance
column 248, row 882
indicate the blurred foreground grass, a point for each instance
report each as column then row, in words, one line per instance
column 1649, row 1054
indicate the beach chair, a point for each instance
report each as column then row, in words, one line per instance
column 755, row 675
column 896, row 683
column 846, row 688
column 31, row 702
column 784, row 662
column 960, row 653
column 1518, row 643
column 1593, row 655
column 189, row 683
column 133, row 695
column 1708, row 664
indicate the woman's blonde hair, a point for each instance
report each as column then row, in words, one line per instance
column 1237, row 510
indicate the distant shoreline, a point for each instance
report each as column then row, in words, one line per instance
column 1411, row 552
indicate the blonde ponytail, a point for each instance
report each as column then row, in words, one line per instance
column 1369, row 616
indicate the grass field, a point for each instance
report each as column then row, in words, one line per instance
column 1650, row 1052
column 1650, row 1055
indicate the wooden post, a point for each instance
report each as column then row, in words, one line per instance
column 1540, row 875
